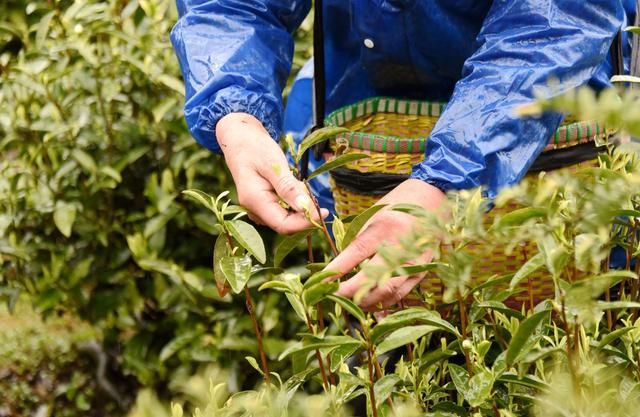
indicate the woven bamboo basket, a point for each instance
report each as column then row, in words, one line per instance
column 393, row 133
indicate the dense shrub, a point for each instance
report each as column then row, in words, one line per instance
column 94, row 156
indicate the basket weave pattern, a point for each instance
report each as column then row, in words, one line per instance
column 393, row 132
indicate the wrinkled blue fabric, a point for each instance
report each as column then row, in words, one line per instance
column 484, row 57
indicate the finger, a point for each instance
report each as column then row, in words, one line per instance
column 268, row 210
column 363, row 247
column 390, row 293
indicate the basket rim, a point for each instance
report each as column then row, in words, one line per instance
column 566, row 134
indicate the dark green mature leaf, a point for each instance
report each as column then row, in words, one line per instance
column 237, row 271
column 288, row 244
column 404, row 336
column 349, row 306
column 249, row 238
column 526, row 336
column 531, row 266
column 357, row 224
column 384, row 387
column 340, row 354
column 338, row 162
column 316, row 137
column 477, row 389
column 178, row 343
column 525, row 381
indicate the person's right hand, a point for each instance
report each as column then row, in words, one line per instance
column 262, row 176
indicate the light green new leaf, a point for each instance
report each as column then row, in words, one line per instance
column 237, row 271
column 517, row 217
column 531, row 266
column 613, row 336
column 254, row 364
column 201, row 197
column 220, row 250
column 357, row 223
column 403, row 336
column 281, row 286
column 248, row 237
column 625, row 79
column 84, row 160
column 338, row 162
column 316, row 137
column 408, row 317
column 64, row 216
column 319, row 277
column 287, row 245
column 526, row 336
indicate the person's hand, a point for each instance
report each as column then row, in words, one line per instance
column 261, row 173
column 385, row 227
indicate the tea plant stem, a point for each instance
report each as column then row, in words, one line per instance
column 570, row 351
column 607, row 295
column 372, row 393
column 256, row 328
column 323, row 372
column 525, row 257
column 378, row 376
column 323, row 224
column 463, row 325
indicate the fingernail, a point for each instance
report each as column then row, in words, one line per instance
column 303, row 202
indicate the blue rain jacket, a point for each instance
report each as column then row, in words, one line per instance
column 484, row 57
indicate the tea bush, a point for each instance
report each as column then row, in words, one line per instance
column 95, row 153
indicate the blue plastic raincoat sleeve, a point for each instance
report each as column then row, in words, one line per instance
column 479, row 141
column 235, row 56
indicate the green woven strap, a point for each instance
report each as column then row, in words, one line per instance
column 566, row 135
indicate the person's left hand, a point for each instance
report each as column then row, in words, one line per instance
column 385, row 227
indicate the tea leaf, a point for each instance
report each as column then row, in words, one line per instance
column 249, row 238
column 338, row 229
column 517, row 217
column 348, row 305
column 338, row 162
column 340, row 354
column 278, row 286
column 178, row 343
column 64, row 216
column 316, row 293
column 625, row 79
column 531, row 266
column 526, row 336
column 220, row 250
column 404, row 336
column 316, row 137
column 201, row 197
column 614, row 335
column 319, row 277
column 384, row 387
column 237, row 271
column 288, row 244
column 357, row 223
column 408, row 317
column 254, row 364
